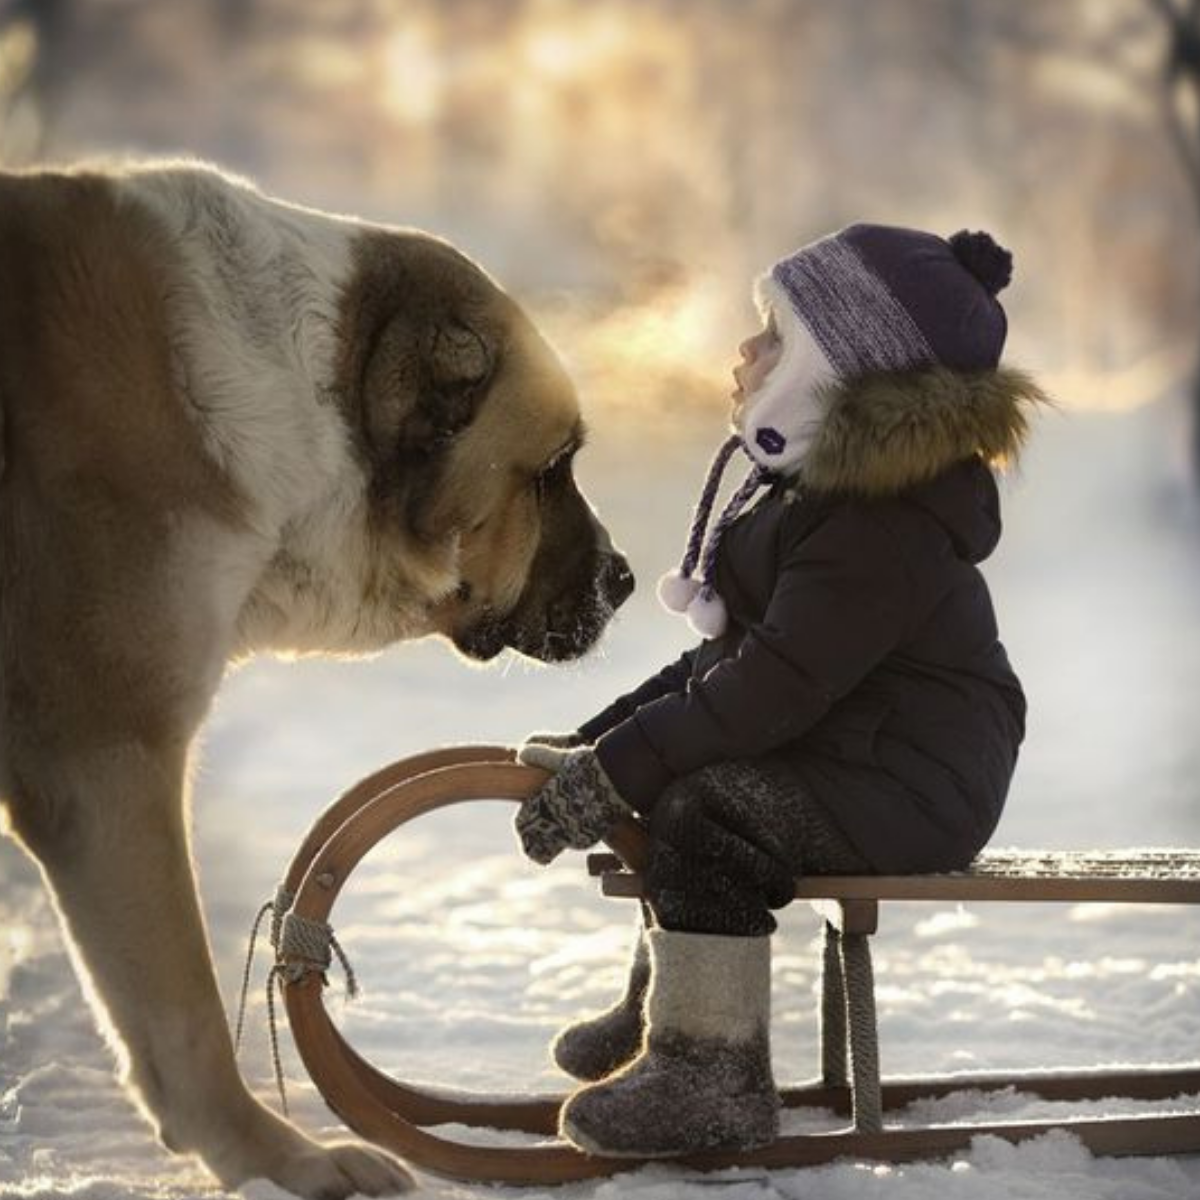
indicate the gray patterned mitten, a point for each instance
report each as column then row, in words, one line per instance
column 573, row 810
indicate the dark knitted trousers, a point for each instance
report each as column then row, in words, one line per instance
column 729, row 840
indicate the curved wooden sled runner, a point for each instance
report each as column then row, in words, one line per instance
column 395, row 1115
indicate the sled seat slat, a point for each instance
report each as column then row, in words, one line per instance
column 1119, row 877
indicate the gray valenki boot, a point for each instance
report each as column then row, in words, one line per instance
column 703, row 1079
column 596, row 1047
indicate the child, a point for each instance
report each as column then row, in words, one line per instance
column 850, row 710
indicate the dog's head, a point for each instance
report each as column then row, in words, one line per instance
column 469, row 426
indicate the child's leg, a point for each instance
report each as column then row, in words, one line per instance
column 726, row 845
column 702, row 1080
column 596, row 1046
column 728, row 841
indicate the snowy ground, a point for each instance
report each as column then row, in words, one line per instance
column 472, row 958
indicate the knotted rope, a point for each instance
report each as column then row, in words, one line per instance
column 277, row 906
column 302, row 947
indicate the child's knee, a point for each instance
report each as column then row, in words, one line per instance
column 676, row 808
column 689, row 797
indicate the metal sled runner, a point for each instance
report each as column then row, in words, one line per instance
column 398, row 1116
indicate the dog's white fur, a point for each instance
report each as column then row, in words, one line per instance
column 255, row 315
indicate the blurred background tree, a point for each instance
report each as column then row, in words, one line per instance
column 627, row 166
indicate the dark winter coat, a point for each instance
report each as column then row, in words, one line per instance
column 861, row 641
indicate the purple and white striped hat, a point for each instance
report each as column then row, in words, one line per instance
column 877, row 298
column 867, row 299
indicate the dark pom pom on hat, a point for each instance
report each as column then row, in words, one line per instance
column 989, row 262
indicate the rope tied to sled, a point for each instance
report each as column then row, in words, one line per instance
column 306, row 946
column 277, row 906
column 302, row 947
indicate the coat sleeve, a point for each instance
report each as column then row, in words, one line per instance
column 841, row 602
column 671, row 679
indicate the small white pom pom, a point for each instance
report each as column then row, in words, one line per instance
column 677, row 591
column 706, row 614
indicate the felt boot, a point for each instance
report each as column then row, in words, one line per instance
column 703, row 1078
column 596, row 1047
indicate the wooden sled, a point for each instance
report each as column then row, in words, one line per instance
column 397, row 1115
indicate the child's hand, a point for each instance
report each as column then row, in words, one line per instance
column 573, row 810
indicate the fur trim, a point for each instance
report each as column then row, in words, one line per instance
column 788, row 399
column 885, row 432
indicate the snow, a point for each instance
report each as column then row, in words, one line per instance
column 470, row 958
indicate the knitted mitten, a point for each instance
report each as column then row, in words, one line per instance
column 573, row 809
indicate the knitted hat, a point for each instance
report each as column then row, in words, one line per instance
column 872, row 298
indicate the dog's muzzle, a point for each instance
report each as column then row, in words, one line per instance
column 564, row 627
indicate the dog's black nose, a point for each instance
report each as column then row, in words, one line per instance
column 616, row 579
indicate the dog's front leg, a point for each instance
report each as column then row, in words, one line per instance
column 108, row 829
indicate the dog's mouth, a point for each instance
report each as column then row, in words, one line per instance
column 563, row 628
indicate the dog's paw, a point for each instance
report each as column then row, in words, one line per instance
column 251, row 1142
column 262, row 1146
column 341, row 1170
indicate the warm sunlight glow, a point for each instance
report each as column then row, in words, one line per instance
column 563, row 50
column 684, row 329
column 18, row 48
column 1120, row 387
column 413, row 76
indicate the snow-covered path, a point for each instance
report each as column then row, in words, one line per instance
column 471, row 958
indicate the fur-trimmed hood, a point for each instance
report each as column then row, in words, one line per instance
column 885, row 433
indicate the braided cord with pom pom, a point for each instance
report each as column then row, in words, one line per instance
column 757, row 478
column 705, row 504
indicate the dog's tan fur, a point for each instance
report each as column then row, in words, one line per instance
column 230, row 425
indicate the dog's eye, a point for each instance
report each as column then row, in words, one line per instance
column 553, row 473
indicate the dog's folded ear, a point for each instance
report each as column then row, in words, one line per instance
column 460, row 363
column 424, row 381
column 423, row 384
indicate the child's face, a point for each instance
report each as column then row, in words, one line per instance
column 759, row 355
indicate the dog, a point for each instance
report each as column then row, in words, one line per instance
column 231, row 425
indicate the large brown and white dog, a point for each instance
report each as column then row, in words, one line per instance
column 232, row 425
